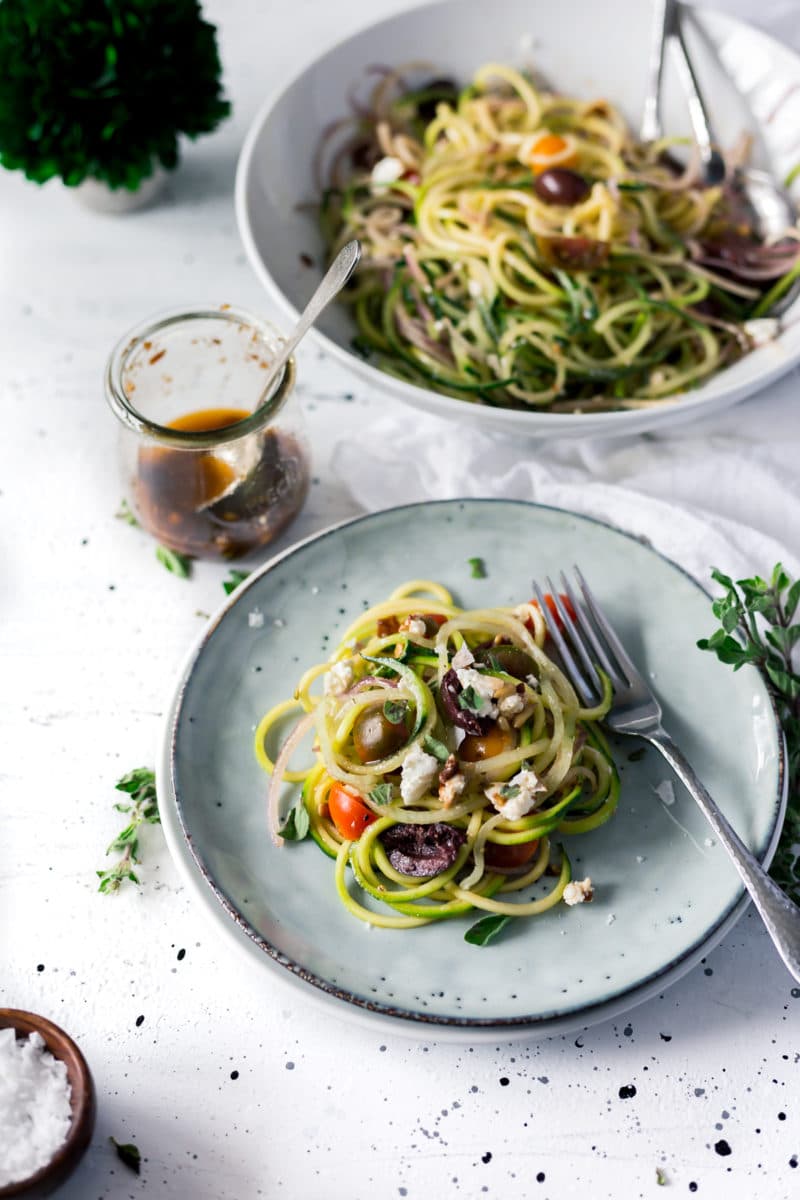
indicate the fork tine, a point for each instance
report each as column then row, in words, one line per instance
column 576, row 677
column 575, row 631
column 627, row 667
column 584, row 621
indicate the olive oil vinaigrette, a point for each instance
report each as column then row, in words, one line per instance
column 225, row 501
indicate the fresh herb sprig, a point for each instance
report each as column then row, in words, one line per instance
column 758, row 627
column 142, row 808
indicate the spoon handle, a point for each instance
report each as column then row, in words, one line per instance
column 713, row 163
column 332, row 283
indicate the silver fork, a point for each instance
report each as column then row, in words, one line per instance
column 593, row 643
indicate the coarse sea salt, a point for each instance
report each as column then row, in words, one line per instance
column 35, row 1113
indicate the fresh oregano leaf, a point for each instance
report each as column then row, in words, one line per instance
column 128, row 1154
column 234, row 579
column 477, row 568
column 177, row 564
column 432, row 745
column 382, row 794
column 395, row 711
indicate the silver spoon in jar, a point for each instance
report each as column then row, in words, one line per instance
column 331, row 284
column 770, row 206
column 259, row 469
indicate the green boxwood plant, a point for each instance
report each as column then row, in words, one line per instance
column 102, row 89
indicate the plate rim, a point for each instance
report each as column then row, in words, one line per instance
column 685, row 407
column 218, row 906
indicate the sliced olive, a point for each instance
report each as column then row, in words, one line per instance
column 376, row 737
column 559, row 185
column 510, row 659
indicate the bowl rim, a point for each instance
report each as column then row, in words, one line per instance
column 683, row 406
column 83, row 1100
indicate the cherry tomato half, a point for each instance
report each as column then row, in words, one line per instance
column 348, row 814
column 509, row 857
column 477, row 746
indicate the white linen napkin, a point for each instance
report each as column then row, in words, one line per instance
column 723, row 491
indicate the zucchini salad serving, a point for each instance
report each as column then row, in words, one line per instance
column 523, row 249
column 450, row 753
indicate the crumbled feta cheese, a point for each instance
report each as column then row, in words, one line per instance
column 762, row 330
column 474, row 288
column 485, row 688
column 463, row 658
column 532, row 682
column 415, row 626
column 509, row 706
column 518, row 797
column 339, row 678
column 255, row 619
column 665, row 792
column 387, row 170
column 440, row 324
column 451, row 789
column 580, row 891
column 418, row 773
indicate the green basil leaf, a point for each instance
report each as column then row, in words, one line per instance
column 477, row 568
column 482, row 932
column 297, row 823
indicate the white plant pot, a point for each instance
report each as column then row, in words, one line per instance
column 99, row 197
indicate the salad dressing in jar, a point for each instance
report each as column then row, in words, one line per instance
column 214, row 469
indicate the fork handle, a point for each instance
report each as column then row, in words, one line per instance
column 779, row 914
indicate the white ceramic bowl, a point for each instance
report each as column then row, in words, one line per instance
column 584, row 48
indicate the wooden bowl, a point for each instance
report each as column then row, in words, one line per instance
column 44, row 1181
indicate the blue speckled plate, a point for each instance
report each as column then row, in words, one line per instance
column 665, row 893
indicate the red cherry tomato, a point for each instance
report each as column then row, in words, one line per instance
column 509, row 857
column 348, row 814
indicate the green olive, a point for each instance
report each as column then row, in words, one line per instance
column 510, row 659
column 376, row 737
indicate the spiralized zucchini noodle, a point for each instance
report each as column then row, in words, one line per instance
column 522, row 249
column 450, row 754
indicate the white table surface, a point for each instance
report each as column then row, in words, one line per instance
column 92, row 630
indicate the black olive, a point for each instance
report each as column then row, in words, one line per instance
column 559, row 185
column 423, row 850
column 376, row 737
column 449, row 692
column 510, row 659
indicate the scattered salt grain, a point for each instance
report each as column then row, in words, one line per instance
column 315, row 591
column 709, row 842
column 640, row 858
column 611, row 918
column 255, row 619
column 278, row 623
column 35, row 1113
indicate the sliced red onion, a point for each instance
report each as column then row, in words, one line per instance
column 281, row 763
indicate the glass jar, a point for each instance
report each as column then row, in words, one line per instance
column 214, row 468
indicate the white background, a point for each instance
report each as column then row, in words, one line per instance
column 91, row 632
